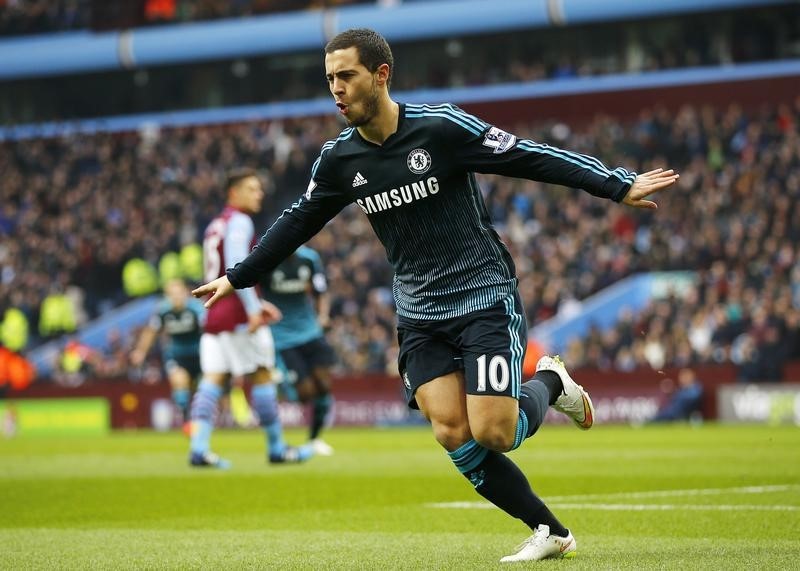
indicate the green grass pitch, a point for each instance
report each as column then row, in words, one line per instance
column 711, row 497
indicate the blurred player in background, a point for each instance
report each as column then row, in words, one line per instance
column 299, row 288
column 237, row 340
column 180, row 317
column 461, row 324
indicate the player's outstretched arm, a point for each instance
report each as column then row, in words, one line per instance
column 218, row 289
column 646, row 184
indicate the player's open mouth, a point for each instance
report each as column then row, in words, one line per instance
column 342, row 107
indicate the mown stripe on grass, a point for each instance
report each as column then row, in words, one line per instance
column 628, row 507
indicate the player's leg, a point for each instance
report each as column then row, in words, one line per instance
column 180, row 385
column 286, row 380
column 493, row 475
column 321, row 410
column 443, row 400
column 192, row 365
column 265, row 402
column 509, row 489
column 493, row 344
column 305, row 391
column 298, row 366
column 215, row 364
column 264, row 395
column 320, row 401
column 317, row 357
column 239, row 407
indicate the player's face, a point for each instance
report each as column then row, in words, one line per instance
column 248, row 195
column 176, row 292
column 353, row 86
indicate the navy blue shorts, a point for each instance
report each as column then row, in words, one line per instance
column 189, row 362
column 488, row 346
column 301, row 361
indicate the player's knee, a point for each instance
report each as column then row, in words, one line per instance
column 305, row 390
column 321, row 388
column 179, row 378
column 322, row 380
column 494, row 437
column 451, row 434
column 493, row 421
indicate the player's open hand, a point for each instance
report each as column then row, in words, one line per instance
column 648, row 183
column 217, row 289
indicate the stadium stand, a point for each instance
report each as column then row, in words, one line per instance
column 34, row 17
column 25, row 17
column 77, row 206
column 79, row 227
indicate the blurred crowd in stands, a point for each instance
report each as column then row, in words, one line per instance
column 166, row 11
column 18, row 17
column 75, row 209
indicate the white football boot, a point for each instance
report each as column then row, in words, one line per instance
column 543, row 545
column 321, row 448
column 574, row 401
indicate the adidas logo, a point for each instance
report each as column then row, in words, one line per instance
column 359, row 180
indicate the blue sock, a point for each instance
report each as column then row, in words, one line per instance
column 204, row 407
column 265, row 403
column 181, row 399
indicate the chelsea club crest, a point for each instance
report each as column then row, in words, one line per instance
column 419, row 161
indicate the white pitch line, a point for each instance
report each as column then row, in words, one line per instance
column 679, row 493
column 650, row 494
column 681, row 507
column 627, row 507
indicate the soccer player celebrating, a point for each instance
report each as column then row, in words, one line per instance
column 237, row 340
column 299, row 335
column 461, row 325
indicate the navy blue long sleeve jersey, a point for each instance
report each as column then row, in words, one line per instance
column 421, row 197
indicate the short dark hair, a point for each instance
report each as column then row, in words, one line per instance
column 373, row 49
column 234, row 176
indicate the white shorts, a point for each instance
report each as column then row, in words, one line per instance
column 237, row 352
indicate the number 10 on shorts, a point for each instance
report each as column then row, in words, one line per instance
column 497, row 373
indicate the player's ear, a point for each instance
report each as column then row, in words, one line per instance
column 382, row 74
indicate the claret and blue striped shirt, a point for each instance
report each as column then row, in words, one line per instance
column 420, row 195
